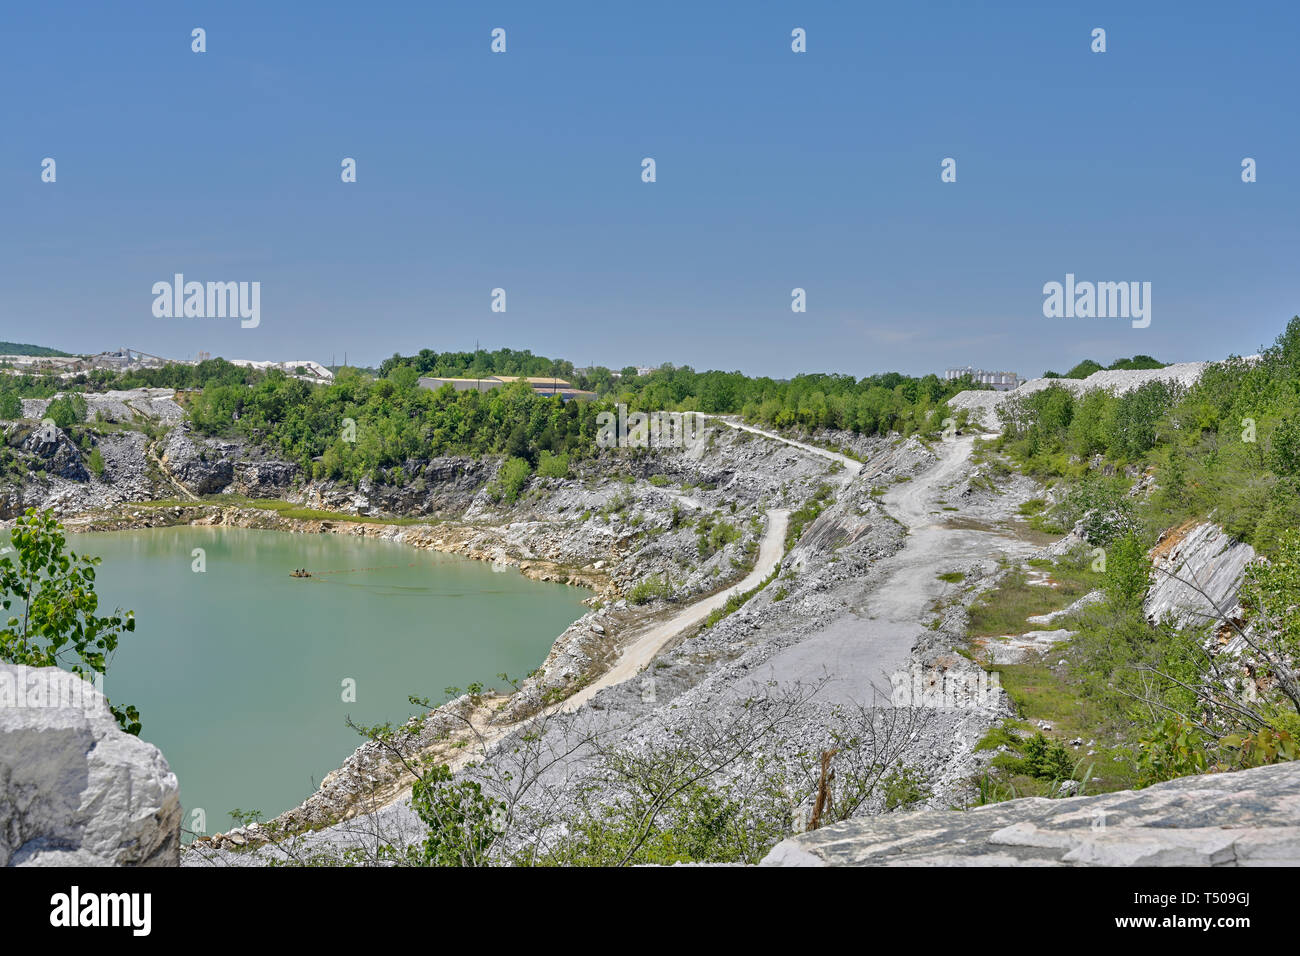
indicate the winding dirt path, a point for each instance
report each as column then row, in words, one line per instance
column 851, row 466
column 643, row 649
column 637, row 655
column 861, row 648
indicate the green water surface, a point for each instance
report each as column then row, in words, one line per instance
column 239, row 670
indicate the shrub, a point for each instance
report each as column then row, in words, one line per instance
column 1046, row 759
column 1171, row 748
column 652, row 587
column 714, row 535
column 553, row 466
column 511, row 479
column 67, row 411
column 721, row 535
column 1128, row 572
column 904, row 787
column 463, row 822
column 806, row 515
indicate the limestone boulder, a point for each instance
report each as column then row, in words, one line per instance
column 75, row 790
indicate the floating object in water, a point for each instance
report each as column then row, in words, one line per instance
column 299, row 573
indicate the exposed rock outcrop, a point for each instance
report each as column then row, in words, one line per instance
column 982, row 405
column 74, row 789
column 119, row 405
column 59, row 456
column 207, row 466
column 1198, row 572
column 1249, row 818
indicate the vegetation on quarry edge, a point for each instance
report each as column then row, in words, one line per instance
column 1161, row 701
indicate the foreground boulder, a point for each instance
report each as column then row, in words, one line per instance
column 1248, row 818
column 74, row 789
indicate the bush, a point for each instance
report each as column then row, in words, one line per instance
column 1047, row 759
column 1100, row 503
column 719, row 536
column 1128, row 572
column 714, row 535
column 553, row 466
column 806, row 515
column 905, row 787
column 652, row 587
column 463, row 822
column 511, row 479
column 95, row 462
column 1171, row 749
column 697, row 823
column 67, row 411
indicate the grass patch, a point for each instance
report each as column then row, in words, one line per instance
column 952, row 577
column 1042, row 693
column 820, row 501
column 1004, row 609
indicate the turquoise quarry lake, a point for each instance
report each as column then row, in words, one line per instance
column 238, row 671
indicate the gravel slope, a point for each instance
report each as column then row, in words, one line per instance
column 983, row 405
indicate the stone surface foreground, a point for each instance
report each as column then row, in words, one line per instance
column 1248, row 818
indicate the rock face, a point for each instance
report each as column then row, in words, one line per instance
column 122, row 405
column 1249, row 818
column 59, row 455
column 74, row 789
column 208, row 466
column 1191, row 560
column 443, row 485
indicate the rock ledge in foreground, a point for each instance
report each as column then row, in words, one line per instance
column 1248, row 818
column 74, row 789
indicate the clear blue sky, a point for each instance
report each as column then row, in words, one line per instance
column 775, row 170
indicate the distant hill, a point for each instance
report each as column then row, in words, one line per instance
column 14, row 348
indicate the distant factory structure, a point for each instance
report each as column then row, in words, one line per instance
column 305, row 369
column 999, row 381
column 118, row 360
column 539, row 384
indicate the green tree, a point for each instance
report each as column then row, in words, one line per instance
column 1084, row 369
column 463, row 822
column 51, row 594
column 67, row 411
column 1128, row 572
column 553, row 466
column 11, row 406
column 1284, row 454
column 1137, row 362
column 1270, row 596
